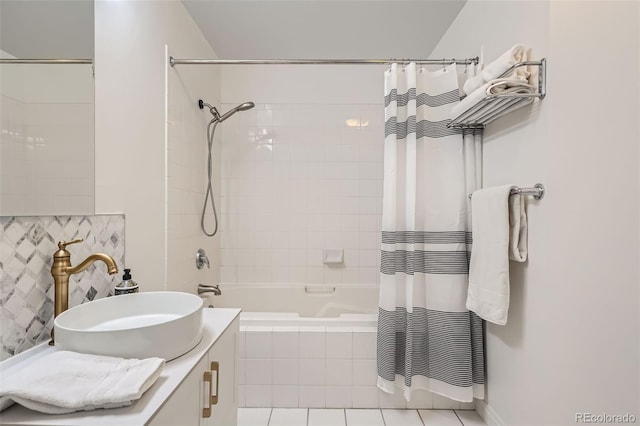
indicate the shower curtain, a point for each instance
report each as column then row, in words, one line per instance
column 427, row 339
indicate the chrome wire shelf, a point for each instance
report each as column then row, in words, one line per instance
column 495, row 106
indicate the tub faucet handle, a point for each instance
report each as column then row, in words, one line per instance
column 202, row 259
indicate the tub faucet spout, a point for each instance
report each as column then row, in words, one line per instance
column 204, row 289
column 61, row 270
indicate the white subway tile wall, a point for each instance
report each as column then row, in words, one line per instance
column 46, row 139
column 304, row 367
column 296, row 179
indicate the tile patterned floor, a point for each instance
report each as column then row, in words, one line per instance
column 356, row 417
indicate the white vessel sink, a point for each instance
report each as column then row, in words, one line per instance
column 164, row 324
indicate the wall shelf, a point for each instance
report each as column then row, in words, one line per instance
column 496, row 105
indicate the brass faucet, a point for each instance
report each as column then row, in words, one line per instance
column 62, row 270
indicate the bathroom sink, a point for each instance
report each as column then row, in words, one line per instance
column 164, row 324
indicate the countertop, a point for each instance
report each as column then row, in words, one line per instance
column 215, row 322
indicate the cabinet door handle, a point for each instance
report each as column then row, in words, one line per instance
column 215, row 367
column 206, row 412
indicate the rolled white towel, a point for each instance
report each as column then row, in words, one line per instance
column 515, row 55
column 493, row 87
column 64, row 382
column 518, row 53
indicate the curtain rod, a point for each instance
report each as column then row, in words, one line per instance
column 45, row 61
column 467, row 61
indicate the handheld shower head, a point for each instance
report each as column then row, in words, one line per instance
column 245, row 106
column 220, row 118
column 242, row 107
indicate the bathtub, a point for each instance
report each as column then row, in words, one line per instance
column 311, row 346
column 315, row 301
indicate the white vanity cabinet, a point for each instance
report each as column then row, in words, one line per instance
column 184, row 406
column 222, row 363
column 208, row 395
column 182, row 395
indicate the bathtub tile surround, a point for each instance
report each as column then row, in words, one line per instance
column 318, row 367
column 26, row 287
column 285, row 396
column 339, row 396
column 298, row 179
column 258, row 396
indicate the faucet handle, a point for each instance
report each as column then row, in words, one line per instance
column 202, row 259
column 62, row 245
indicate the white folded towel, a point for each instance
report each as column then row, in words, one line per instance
column 499, row 226
column 494, row 87
column 515, row 55
column 64, row 382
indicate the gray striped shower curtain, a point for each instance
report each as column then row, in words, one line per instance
column 427, row 339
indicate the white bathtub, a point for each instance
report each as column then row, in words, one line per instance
column 289, row 319
column 311, row 347
column 327, row 301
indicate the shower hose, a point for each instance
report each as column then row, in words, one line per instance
column 211, row 129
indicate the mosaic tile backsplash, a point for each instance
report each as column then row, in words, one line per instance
column 27, row 244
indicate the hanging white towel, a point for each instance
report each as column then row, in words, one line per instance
column 64, row 382
column 499, row 228
column 517, row 229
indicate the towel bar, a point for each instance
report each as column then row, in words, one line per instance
column 537, row 191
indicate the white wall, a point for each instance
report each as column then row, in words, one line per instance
column 571, row 341
column 297, row 179
column 46, row 139
column 150, row 138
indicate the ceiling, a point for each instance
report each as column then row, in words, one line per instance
column 249, row 29
column 323, row 29
column 47, row 28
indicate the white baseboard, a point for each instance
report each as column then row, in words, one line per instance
column 488, row 414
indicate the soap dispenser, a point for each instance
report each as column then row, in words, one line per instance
column 127, row 285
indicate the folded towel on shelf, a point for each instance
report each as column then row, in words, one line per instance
column 499, row 233
column 494, row 87
column 518, row 53
column 64, row 382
